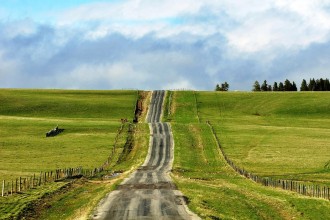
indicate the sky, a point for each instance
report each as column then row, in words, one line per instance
column 165, row 44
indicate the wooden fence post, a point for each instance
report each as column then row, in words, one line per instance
column 24, row 184
column 8, row 188
column 3, row 188
column 19, row 184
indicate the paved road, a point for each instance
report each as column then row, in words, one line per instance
column 149, row 192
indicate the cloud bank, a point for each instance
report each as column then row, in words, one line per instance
column 165, row 44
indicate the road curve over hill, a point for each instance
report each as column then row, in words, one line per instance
column 149, row 192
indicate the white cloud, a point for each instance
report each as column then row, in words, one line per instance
column 167, row 44
column 129, row 11
column 282, row 25
column 250, row 26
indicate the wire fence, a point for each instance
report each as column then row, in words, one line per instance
column 302, row 188
column 22, row 184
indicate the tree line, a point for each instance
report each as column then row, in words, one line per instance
column 224, row 87
column 313, row 85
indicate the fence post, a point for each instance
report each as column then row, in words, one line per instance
column 3, row 188
column 20, row 184
column 24, row 184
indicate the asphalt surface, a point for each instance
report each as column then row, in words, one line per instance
column 149, row 192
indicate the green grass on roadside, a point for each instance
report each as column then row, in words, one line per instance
column 272, row 134
column 12, row 206
column 79, row 201
column 184, row 107
column 91, row 120
column 284, row 135
column 216, row 191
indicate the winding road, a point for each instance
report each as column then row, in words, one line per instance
column 149, row 193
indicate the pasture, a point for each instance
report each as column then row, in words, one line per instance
column 271, row 134
column 91, row 120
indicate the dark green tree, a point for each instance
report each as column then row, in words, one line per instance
column 280, row 87
column 224, row 87
column 256, row 86
column 269, row 88
column 321, row 86
column 264, row 86
column 327, row 84
column 311, row 85
column 294, row 87
column 287, row 85
column 304, row 86
column 317, row 85
column 275, row 87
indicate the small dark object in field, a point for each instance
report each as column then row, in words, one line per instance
column 54, row 132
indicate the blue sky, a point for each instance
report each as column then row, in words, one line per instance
column 168, row 44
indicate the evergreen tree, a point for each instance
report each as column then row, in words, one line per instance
column 269, row 88
column 264, row 86
column 275, row 87
column 281, row 87
column 304, row 86
column 287, row 85
column 224, row 87
column 327, row 85
column 321, row 87
column 256, row 86
column 317, row 85
column 311, row 85
column 294, row 86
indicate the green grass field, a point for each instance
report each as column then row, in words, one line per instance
column 271, row 134
column 282, row 135
column 285, row 135
column 91, row 120
column 79, row 201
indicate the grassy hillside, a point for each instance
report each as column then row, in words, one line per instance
column 215, row 191
column 271, row 134
column 83, row 196
column 90, row 119
column 104, row 105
